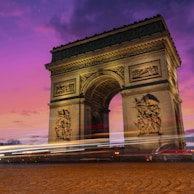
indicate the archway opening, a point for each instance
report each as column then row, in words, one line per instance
column 116, row 121
column 98, row 96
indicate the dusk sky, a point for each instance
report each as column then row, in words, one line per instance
column 30, row 29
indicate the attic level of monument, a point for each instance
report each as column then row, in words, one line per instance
column 130, row 32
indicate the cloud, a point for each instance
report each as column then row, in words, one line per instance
column 190, row 56
column 186, row 92
column 12, row 9
column 86, row 18
column 180, row 21
column 189, row 131
column 43, row 29
column 34, row 139
column 93, row 17
column 35, row 136
column 46, row 89
column 28, row 112
column 18, row 122
column 189, row 135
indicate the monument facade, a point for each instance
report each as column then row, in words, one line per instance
column 140, row 62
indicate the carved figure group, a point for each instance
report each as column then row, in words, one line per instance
column 148, row 120
column 145, row 72
column 63, row 125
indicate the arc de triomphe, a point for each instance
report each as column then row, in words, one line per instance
column 140, row 62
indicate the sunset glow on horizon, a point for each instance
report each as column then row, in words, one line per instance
column 30, row 29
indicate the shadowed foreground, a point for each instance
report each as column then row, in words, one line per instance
column 102, row 178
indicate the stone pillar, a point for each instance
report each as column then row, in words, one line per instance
column 151, row 102
column 66, row 121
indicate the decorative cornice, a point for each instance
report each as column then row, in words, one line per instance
column 147, row 28
column 136, row 23
column 145, row 84
column 57, row 69
column 69, row 98
column 145, row 88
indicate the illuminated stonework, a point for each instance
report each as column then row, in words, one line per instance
column 64, row 88
column 148, row 70
column 63, row 125
column 148, row 120
column 138, row 61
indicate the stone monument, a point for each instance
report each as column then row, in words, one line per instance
column 140, row 62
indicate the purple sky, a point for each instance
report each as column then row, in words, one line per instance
column 30, row 29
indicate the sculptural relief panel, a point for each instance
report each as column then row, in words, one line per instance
column 64, row 88
column 148, row 115
column 63, row 125
column 144, row 71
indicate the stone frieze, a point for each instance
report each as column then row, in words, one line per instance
column 147, row 70
column 113, row 56
column 64, row 88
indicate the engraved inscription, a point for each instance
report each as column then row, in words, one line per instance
column 145, row 71
column 64, row 88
